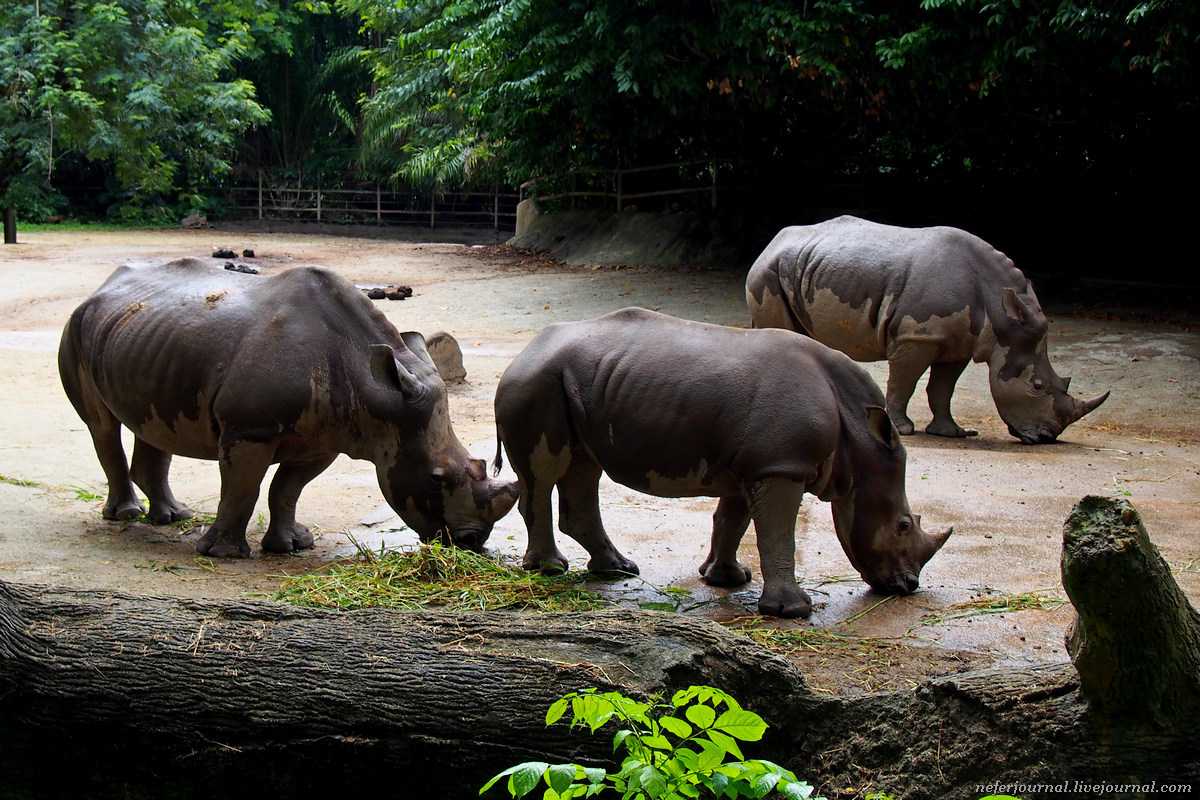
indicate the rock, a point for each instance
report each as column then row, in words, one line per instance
column 224, row 252
column 246, row 268
column 397, row 292
column 447, row 356
column 194, row 221
column 376, row 293
column 247, row 253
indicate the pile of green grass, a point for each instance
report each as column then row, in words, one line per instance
column 433, row 575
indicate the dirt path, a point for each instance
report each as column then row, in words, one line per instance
column 1005, row 500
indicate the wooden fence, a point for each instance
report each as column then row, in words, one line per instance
column 624, row 187
column 269, row 200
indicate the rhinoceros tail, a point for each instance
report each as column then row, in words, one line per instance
column 498, row 461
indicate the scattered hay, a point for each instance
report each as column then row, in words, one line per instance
column 1037, row 600
column 22, row 482
column 433, row 575
column 198, row 520
column 836, row 663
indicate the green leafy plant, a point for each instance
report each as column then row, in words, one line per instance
column 673, row 751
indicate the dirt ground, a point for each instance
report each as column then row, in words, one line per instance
column 1005, row 500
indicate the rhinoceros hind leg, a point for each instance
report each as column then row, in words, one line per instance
column 284, row 534
column 730, row 520
column 906, row 364
column 243, row 465
column 942, row 378
column 149, row 470
column 541, row 553
column 122, row 502
column 774, row 504
column 579, row 517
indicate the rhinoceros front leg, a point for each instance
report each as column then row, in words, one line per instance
column 284, row 534
column 907, row 362
column 730, row 521
column 243, row 466
column 579, row 517
column 774, row 504
column 150, row 469
column 942, row 378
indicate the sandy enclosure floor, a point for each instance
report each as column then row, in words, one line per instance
column 1006, row 501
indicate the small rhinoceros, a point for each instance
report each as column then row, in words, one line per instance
column 251, row 371
column 918, row 297
column 685, row 409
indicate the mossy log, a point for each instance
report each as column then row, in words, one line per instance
column 111, row 695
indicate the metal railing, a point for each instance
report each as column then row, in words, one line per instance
column 272, row 200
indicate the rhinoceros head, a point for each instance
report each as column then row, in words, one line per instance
column 1031, row 397
column 881, row 536
column 425, row 473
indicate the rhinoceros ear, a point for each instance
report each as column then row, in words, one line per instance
column 1014, row 307
column 880, row 426
column 389, row 372
column 416, row 343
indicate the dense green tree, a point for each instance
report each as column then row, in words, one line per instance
column 141, row 86
column 944, row 87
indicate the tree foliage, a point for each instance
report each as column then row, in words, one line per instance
column 142, row 86
column 943, row 87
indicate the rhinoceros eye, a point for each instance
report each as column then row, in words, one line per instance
column 1037, row 384
column 905, row 525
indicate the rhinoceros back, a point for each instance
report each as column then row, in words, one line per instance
column 181, row 351
column 660, row 401
column 857, row 285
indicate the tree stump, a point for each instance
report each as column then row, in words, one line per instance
column 1136, row 638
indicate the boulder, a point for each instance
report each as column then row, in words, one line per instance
column 447, row 356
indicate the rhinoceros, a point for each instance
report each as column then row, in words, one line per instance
column 685, row 409
column 919, row 298
column 251, row 371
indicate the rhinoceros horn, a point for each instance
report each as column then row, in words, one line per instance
column 934, row 542
column 1083, row 407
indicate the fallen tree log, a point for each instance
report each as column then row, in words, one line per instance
column 110, row 695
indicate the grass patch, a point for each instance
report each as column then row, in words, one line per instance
column 82, row 226
column 1037, row 600
column 433, row 575
column 22, row 482
column 86, row 495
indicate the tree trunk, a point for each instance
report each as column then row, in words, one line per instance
column 111, row 695
column 10, row 225
column 1136, row 638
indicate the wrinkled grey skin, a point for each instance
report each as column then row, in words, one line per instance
column 919, row 298
column 251, row 371
column 684, row 409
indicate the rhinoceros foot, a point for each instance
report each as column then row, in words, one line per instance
column 613, row 564
column 943, row 427
column 123, row 509
column 219, row 543
column 787, row 601
column 717, row 573
column 166, row 513
column 287, row 538
column 552, row 563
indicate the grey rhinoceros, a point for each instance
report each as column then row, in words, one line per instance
column 250, row 371
column 918, row 297
column 684, row 409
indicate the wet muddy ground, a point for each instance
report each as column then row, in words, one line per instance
column 1006, row 501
